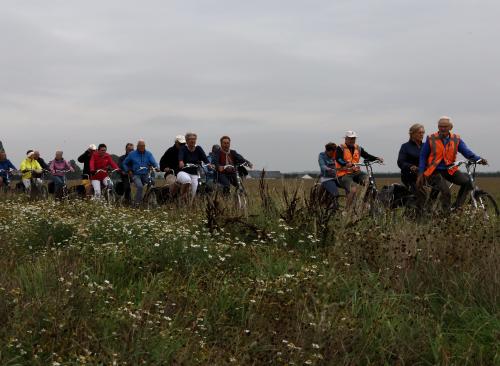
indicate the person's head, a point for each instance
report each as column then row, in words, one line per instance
column 129, row 147
column 3, row 155
column 191, row 138
column 180, row 140
column 330, row 149
column 37, row 154
column 215, row 148
column 417, row 132
column 141, row 146
column 101, row 149
column 350, row 138
column 30, row 154
column 59, row 155
column 92, row 148
column 444, row 126
column 225, row 143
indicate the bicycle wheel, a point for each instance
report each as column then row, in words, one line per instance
column 486, row 202
column 151, row 200
column 109, row 195
column 241, row 201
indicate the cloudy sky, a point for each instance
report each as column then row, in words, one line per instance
column 281, row 77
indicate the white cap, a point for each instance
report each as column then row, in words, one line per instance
column 180, row 139
column 30, row 154
column 92, row 147
column 350, row 134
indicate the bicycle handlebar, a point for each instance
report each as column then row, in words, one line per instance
column 466, row 162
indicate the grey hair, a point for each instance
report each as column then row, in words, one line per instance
column 446, row 118
column 190, row 134
column 415, row 127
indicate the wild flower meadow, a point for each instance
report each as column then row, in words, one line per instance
column 83, row 283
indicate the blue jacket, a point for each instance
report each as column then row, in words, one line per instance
column 326, row 165
column 426, row 150
column 6, row 165
column 135, row 160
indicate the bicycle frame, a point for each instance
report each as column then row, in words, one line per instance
column 470, row 168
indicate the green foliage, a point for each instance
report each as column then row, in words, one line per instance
column 84, row 283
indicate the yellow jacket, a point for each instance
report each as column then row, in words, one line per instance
column 29, row 164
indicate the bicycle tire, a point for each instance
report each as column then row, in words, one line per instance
column 488, row 204
column 151, row 200
column 241, row 202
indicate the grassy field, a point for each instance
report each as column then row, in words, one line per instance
column 84, row 283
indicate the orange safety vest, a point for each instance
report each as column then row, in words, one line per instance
column 439, row 152
column 348, row 158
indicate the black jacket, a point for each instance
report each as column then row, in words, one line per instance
column 170, row 159
column 85, row 160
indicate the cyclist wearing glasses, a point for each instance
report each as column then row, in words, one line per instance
column 435, row 166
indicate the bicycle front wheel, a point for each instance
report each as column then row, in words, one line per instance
column 151, row 200
column 488, row 204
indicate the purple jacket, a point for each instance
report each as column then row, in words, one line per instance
column 57, row 167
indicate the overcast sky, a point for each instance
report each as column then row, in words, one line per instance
column 282, row 78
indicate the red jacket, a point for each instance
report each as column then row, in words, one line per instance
column 101, row 162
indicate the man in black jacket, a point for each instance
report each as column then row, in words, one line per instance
column 85, row 160
column 226, row 164
column 170, row 160
column 129, row 147
column 42, row 162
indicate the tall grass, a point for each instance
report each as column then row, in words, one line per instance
column 83, row 283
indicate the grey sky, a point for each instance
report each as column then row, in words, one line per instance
column 281, row 77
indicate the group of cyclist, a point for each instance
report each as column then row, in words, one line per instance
column 423, row 164
column 180, row 163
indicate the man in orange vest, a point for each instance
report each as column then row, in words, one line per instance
column 346, row 156
column 436, row 159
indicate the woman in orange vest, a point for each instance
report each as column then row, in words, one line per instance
column 438, row 154
column 348, row 154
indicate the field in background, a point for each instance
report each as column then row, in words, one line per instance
column 83, row 283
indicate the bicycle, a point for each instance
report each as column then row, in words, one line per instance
column 240, row 194
column 108, row 190
column 37, row 189
column 371, row 197
column 6, row 175
column 150, row 199
column 479, row 199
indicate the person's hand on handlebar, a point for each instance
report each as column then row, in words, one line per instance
column 483, row 161
column 420, row 181
column 181, row 165
column 381, row 160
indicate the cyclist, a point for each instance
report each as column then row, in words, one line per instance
column 409, row 156
column 348, row 154
column 212, row 159
column 6, row 167
column 225, row 156
column 58, row 168
column 435, row 166
column 99, row 163
column 326, row 160
column 129, row 147
column 137, row 165
column 85, row 160
column 190, row 154
column 170, row 160
column 30, row 169
column 42, row 162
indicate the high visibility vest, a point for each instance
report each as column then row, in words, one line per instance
column 439, row 153
column 348, row 158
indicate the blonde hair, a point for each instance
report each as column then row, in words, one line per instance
column 415, row 127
